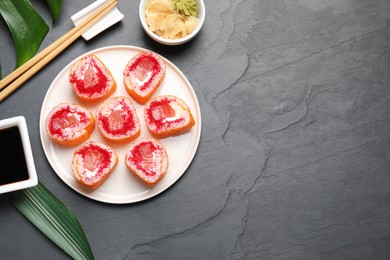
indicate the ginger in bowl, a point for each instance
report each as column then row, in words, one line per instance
column 172, row 22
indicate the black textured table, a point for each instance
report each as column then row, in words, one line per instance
column 294, row 156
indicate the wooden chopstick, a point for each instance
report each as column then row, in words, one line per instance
column 26, row 71
column 16, row 73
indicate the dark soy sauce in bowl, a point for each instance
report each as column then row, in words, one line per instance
column 12, row 157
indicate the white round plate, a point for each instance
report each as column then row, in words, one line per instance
column 122, row 187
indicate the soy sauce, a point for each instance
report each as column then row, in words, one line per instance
column 12, row 159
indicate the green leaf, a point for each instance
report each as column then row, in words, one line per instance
column 55, row 8
column 27, row 27
column 54, row 219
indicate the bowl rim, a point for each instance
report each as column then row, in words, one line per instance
column 20, row 122
column 201, row 17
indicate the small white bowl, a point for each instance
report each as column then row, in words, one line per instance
column 31, row 179
column 201, row 16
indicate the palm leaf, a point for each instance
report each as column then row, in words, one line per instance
column 54, row 219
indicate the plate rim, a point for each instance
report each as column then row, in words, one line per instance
column 194, row 98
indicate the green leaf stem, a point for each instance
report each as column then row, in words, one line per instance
column 54, row 219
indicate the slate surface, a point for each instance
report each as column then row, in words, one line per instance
column 294, row 158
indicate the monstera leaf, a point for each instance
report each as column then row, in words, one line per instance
column 27, row 26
